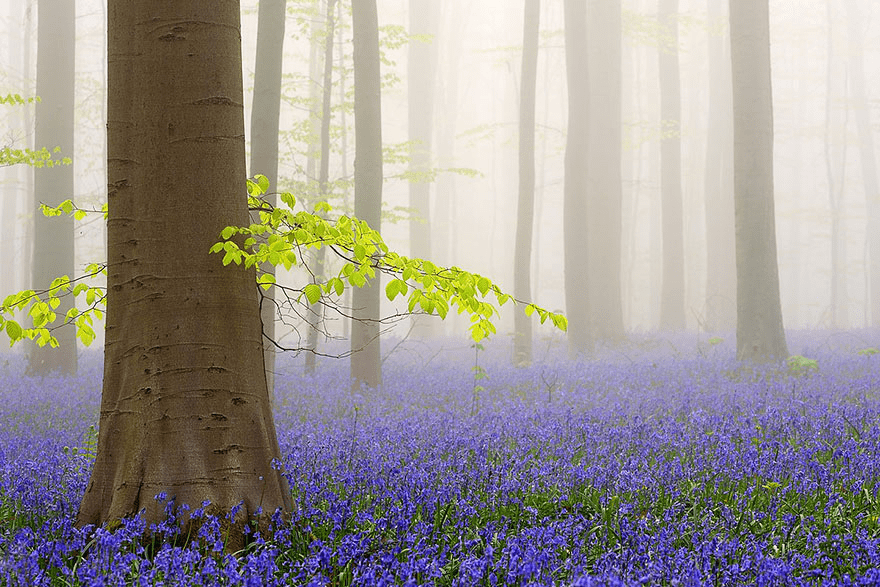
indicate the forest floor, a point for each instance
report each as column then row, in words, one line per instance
column 664, row 462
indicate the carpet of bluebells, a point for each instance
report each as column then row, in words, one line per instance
column 658, row 463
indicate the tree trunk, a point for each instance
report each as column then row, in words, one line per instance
column 525, row 211
column 184, row 407
column 604, row 190
column 672, row 290
column 366, row 367
column 265, row 113
column 53, row 237
column 835, row 171
column 862, row 112
column 759, row 332
column 575, row 221
column 720, row 240
column 316, row 311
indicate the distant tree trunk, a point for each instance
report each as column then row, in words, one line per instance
column 835, row 170
column 265, row 113
column 366, row 365
column 720, row 239
column 313, row 163
column 53, row 237
column 759, row 332
column 672, row 291
column 316, row 311
column 184, row 407
column 862, row 112
column 575, row 221
column 12, row 175
column 525, row 216
column 604, row 189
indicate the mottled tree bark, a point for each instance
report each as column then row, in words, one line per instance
column 366, row 365
column 672, row 290
column 759, row 332
column 575, row 225
column 265, row 113
column 525, row 211
column 53, row 254
column 184, row 407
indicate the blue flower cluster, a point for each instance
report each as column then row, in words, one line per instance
column 643, row 467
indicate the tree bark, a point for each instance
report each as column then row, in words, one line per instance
column 759, row 332
column 575, row 220
column 604, row 189
column 720, row 240
column 672, row 290
column 53, row 237
column 366, row 366
column 525, row 211
column 184, row 406
column 265, row 114
column 862, row 112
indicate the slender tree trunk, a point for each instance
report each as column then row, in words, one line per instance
column 265, row 114
column 316, row 311
column 759, row 332
column 185, row 406
column 862, row 112
column 672, row 291
column 604, row 190
column 12, row 174
column 525, row 211
column 343, row 148
column 720, row 240
column 53, row 237
column 366, row 365
column 575, row 221
column 835, row 171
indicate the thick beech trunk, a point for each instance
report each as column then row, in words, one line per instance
column 525, row 211
column 366, row 366
column 759, row 332
column 575, row 225
column 184, row 408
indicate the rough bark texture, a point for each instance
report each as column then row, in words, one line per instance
column 759, row 332
column 604, row 189
column 525, row 211
column 366, row 367
column 576, row 245
column 672, row 291
column 720, row 255
column 53, row 237
column 264, row 141
column 184, row 407
column 862, row 112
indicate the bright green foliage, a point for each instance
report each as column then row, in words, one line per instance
column 869, row 351
column 282, row 235
column 39, row 158
column 798, row 365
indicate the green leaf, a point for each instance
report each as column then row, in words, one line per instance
column 313, row 292
column 13, row 331
column 227, row 232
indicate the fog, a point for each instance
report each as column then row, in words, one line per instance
column 816, row 46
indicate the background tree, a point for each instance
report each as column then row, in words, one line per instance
column 184, row 406
column 53, row 242
column 264, row 138
column 867, row 152
column 525, row 215
column 365, row 344
column 672, row 289
column 604, row 191
column 759, row 332
column 575, row 220
column 718, row 178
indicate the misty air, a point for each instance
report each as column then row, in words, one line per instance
column 422, row 292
